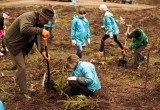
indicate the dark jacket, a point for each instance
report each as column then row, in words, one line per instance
column 22, row 32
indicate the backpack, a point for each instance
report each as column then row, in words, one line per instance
column 1, row 22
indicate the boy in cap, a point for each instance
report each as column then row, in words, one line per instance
column 26, row 30
column 80, row 31
column 84, row 79
column 140, row 41
column 110, row 27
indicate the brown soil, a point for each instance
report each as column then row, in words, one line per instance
column 122, row 88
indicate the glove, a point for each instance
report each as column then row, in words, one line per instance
column 125, row 48
column 73, row 42
column 72, row 78
column 45, row 56
column 45, row 33
column 111, row 34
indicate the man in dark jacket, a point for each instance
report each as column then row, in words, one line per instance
column 20, row 37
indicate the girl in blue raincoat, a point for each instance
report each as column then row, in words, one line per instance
column 84, row 79
column 110, row 27
column 80, row 31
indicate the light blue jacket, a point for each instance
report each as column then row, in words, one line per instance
column 87, row 70
column 80, row 30
column 110, row 24
column 1, row 105
column 49, row 25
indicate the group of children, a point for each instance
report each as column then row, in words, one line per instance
column 84, row 79
column 80, row 33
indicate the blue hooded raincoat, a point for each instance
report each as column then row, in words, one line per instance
column 87, row 70
column 80, row 30
column 110, row 24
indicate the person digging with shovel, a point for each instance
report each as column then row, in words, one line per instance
column 26, row 30
column 140, row 41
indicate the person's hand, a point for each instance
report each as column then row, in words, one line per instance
column 127, row 33
column 73, row 42
column 102, row 27
column 89, row 42
column 45, row 56
column 125, row 48
column 45, row 33
column 72, row 78
column 111, row 35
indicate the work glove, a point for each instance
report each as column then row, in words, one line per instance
column 89, row 42
column 73, row 42
column 45, row 56
column 125, row 48
column 111, row 34
column 73, row 78
column 45, row 33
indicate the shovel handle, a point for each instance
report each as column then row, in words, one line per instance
column 45, row 41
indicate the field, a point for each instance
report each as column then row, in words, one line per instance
column 122, row 88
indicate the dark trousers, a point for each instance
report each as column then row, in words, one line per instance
column 76, row 88
column 137, row 55
column 3, row 46
column 106, row 37
column 80, row 51
column 19, row 62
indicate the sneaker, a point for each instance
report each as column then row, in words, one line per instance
column 145, row 57
column 99, row 54
column 2, row 49
column 135, row 66
column 6, row 49
column 138, row 67
column 1, row 54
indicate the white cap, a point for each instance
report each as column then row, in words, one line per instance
column 103, row 7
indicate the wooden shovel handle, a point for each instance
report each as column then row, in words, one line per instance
column 45, row 41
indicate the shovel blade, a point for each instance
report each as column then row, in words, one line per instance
column 122, row 63
column 49, row 85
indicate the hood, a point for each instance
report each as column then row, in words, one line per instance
column 107, row 13
column 75, row 16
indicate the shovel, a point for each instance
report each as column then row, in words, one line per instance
column 49, row 84
column 122, row 62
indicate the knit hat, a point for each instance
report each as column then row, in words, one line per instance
column 103, row 7
column 47, row 12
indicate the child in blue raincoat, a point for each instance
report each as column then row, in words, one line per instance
column 73, row 2
column 50, row 26
column 80, row 31
column 110, row 27
column 84, row 79
column 1, row 105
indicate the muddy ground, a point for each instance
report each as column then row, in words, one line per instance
column 122, row 88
